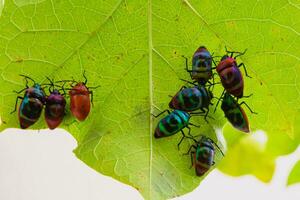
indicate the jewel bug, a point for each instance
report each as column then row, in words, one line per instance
column 235, row 113
column 230, row 74
column 31, row 105
column 203, row 155
column 55, row 107
column 173, row 123
column 81, row 98
column 190, row 99
column 201, row 71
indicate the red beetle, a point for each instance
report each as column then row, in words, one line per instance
column 80, row 101
column 55, row 105
column 55, row 109
column 230, row 74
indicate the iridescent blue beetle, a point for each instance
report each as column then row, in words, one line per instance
column 201, row 71
column 173, row 123
column 32, row 103
column 191, row 99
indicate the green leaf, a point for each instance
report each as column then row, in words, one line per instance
column 133, row 50
column 247, row 155
column 1, row 6
column 294, row 176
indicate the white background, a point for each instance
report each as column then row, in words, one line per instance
column 41, row 166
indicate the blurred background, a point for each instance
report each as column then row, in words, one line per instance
column 40, row 165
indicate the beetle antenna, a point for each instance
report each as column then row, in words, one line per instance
column 240, row 53
column 216, row 146
column 85, row 79
column 95, row 87
column 26, row 78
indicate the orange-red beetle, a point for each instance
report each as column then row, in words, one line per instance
column 80, row 100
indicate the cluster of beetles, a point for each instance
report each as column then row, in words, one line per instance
column 35, row 99
column 187, row 102
column 197, row 99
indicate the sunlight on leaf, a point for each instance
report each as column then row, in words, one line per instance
column 1, row 6
column 247, row 155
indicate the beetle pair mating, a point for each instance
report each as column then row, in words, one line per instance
column 35, row 99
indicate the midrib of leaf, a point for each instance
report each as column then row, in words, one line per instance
column 150, row 44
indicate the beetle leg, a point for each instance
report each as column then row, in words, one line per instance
column 63, row 89
column 192, row 159
column 183, row 136
column 240, row 53
column 183, row 87
column 213, row 78
column 197, row 126
column 248, row 107
column 20, row 91
column 26, row 83
column 211, row 84
column 243, row 65
column 189, row 151
column 92, row 97
column 212, row 59
column 161, row 113
column 190, row 135
column 198, row 113
column 85, row 79
column 94, row 87
column 219, row 100
column 233, row 52
column 212, row 141
column 74, row 121
column 188, row 82
column 247, row 96
column 26, row 79
column 17, row 99
column 206, row 114
column 214, row 83
column 186, row 64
